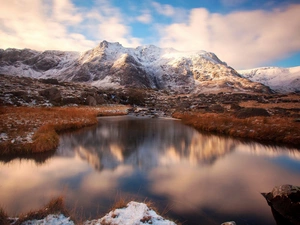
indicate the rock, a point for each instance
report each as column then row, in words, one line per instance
column 216, row 108
column 229, row 223
column 49, row 81
column 91, row 101
column 251, row 112
column 284, row 201
column 52, row 94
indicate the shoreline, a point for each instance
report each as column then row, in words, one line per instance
column 269, row 130
column 29, row 130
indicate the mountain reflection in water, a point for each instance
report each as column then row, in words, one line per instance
column 197, row 178
column 144, row 143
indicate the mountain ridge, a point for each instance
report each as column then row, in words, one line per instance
column 112, row 65
column 277, row 78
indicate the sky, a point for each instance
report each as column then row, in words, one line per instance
column 243, row 33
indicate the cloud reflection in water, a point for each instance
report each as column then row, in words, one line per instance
column 163, row 160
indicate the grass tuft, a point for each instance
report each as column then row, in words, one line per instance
column 55, row 206
column 3, row 217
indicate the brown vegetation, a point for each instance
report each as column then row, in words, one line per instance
column 30, row 130
column 4, row 218
column 55, row 206
column 271, row 129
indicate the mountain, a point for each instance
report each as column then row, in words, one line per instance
column 279, row 79
column 112, row 65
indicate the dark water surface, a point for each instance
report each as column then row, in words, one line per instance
column 191, row 177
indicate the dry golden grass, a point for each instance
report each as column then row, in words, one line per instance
column 3, row 217
column 55, row 206
column 29, row 130
column 271, row 129
column 282, row 105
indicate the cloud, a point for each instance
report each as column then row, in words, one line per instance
column 166, row 10
column 59, row 24
column 106, row 22
column 175, row 13
column 146, row 18
column 243, row 39
column 34, row 24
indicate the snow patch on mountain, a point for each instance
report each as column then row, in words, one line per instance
column 279, row 79
column 112, row 65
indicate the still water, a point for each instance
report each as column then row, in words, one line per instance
column 190, row 177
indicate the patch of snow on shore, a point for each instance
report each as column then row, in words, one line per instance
column 3, row 137
column 51, row 220
column 134, row 214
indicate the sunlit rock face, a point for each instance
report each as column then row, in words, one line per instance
column 111, row 64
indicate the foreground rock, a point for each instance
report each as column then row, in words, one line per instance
column 284, row 201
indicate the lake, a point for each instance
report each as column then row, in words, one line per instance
column 190, row 177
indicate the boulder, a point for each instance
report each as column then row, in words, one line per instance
column 216, row 108
column 284, row 201
column 49, row 81
column 229, row 223
column 53, row 94
column 91, row 101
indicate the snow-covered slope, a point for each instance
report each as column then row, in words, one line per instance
column 278, row 79
column 111, row 64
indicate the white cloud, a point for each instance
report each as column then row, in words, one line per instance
column 105, row 22
column 146, row 18
column 166, row 10
column 243, row 39
column 59, row 24
column 34, row 24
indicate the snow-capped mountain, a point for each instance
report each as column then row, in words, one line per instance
column 111, row 64
column 277, row 78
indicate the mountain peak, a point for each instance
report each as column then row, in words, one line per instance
column 111, row 64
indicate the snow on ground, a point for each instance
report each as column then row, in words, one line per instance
column 134, row 214
column 51, row 220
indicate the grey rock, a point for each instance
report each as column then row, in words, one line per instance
column 91, row 101
column 229, row 223
column 53, row 94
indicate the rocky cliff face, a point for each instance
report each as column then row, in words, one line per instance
column 112, row 65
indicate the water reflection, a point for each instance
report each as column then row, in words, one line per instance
column 143, row 143
column 200, row 179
